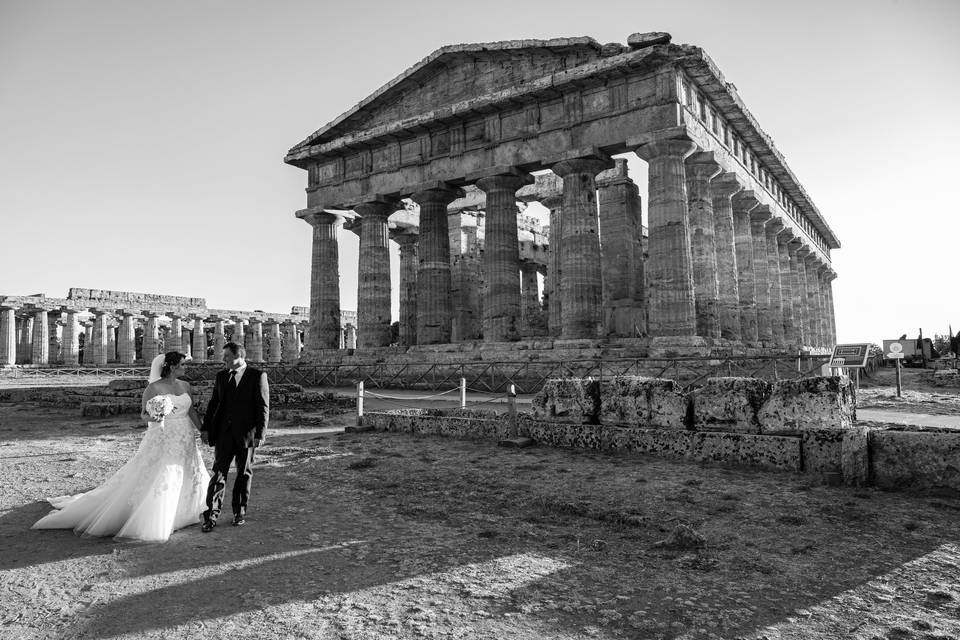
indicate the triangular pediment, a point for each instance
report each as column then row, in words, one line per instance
column 457, row 74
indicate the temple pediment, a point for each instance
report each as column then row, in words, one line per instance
column 457, row 74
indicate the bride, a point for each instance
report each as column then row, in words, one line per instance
column 162, row 487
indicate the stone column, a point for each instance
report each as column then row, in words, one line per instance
column 831, row 275
column 290, row 350
column 759, row 216
column 824, row 306
column 175, row 340
column 324, row 282
column 219, row 339
column 255, row 341
column 796, row 290
column 111, row 341
column 701, row 168
column 722, row 189
column 8, row 336
column 670, row 292
column 621, row 252
column 803, row 300
column 554, row 205
column 787, row 286
column 199, row 346
column 127, row 345
column 773, row 228
column 350, row 337
column 303, row 334
column 581, row 280
column 25, row 345
column 502, row 312
column 151, row 338
column 54, row 332
column 434, row 306
column 71, row 337
column 373, row 281
column 273, row 333
column 40, row 352
column 99, row 339
column 812, row 264
column 408, row 288
column 239, row 333
column 530, row 293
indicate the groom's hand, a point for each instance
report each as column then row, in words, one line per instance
column 257, row 442
column 204, row 437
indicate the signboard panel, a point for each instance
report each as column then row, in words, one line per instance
column 850, row 356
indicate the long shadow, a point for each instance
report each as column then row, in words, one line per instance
column 24, row 422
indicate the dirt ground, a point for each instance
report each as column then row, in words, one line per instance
column 394, row 536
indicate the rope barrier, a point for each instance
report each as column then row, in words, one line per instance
column 371, row 394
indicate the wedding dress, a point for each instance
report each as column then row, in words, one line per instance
column 160, row 489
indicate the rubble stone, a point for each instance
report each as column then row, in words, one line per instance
column 915, row 459
column 808, row 403
column 643, row 402
column 571, row 400
column 729, row 404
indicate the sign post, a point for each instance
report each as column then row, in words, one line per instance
column 896, row 354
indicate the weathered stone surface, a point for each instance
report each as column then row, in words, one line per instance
column 572, row 400
column 822, row 450
column 642, row 40
column 915, row 459
column 643, row 402
column 817, row 402
column 855, row 456
column 128, row 384
column 729, row 404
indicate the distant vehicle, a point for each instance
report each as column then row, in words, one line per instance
column 916, row 352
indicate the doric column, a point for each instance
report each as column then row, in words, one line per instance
column 670, row 292
column 272, row 338
column 350, row 337
column 175, row 335
column 199, row 342
column 151, row 338
column 111, row 341
column 25, row 344
column 239, row 332
column 408, row 287
column 55, row 332
column 303, row 334
column 759, row 216
column 788, row 284
column 826, row 320
column 701, row 168
column 812, row 264
column 290, row 351
column 554, row 205
column 621, row 252
column 219, row 337
column 324, row 281
column 40, row 352
column 797, row 292
column 502, row 312
column 803, row 300
column 373, row 280
column 530, row 292
column 255, row 341
column 98, row 342
column 8, row 336
column 771, row 231
column 722, row 188
column 743, row 203
column 434, row 306
column 581, row 282
column 127, row 342
column 831, row 275
column 71, row 337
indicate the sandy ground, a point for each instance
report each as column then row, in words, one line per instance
column 395, row 536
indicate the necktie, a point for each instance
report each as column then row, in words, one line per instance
column 233, row 380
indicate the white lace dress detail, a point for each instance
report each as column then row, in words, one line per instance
column 160, row 489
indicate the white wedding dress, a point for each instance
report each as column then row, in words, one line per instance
column 160, row 489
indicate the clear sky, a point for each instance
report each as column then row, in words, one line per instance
column 141, row 143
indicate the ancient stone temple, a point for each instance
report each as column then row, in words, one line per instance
column 734, row 254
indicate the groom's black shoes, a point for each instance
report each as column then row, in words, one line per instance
column 208, row 526
column 239, row 520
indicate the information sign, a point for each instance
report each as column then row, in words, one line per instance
column 850, row 356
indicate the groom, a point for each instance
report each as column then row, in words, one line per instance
column 234, row 424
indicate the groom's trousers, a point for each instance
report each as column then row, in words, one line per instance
column 242, row 457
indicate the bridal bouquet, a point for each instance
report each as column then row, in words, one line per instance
column 159, row 407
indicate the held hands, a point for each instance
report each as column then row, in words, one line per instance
column 257, row 442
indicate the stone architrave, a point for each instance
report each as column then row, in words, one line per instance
column 759, row 216
column 255, row 341
column 771, row 231
column 174, row 340
column 290, row 350
column 671, row 307
column 554, row 204
column 408, row 287
column 787, row 285
column 701, row 168
column 502, row 311
column 25, row 343
column 812, row 264
column 8, row 336
column 434, row 304
column 581, row 281
column 621, row 251
column 797, row 290
column 722, row 189
column 71, row 337
column 324, row 281
column 151, row 338
column 199, row 342
column 40, row 352
column 126, row 343
column 373, row 281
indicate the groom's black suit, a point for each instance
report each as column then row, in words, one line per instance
column 236, row 416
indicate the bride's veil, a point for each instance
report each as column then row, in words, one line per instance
column 156, row 367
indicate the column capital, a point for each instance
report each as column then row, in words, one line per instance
column 725, row 184
column 406, row 238
column 552, row 202
column 381, row 207
column 803, row 251
column 745, row 201
column 435, row 192
column 786, row 236
column 811, row 258
column 668, row 147
column 761, row 214
column 775, row 225
column 703, row 164
column 593, row 163
column 500, row 177
column 316, row 217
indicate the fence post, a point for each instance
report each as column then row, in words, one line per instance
column 463, row 393
column 359, row 402
column 512, row 409
column 776, row 376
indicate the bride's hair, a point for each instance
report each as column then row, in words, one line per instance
column 170, row 360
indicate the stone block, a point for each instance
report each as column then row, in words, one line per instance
column 127, row 384
column 855, row 456
column 915, row 459
column 822, row 450
column 822, row 402
column 643, row 402
column 729, row 404
column 571, row 400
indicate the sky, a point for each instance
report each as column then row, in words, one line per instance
column 141, row 143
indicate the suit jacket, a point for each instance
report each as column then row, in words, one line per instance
column 242, row 416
